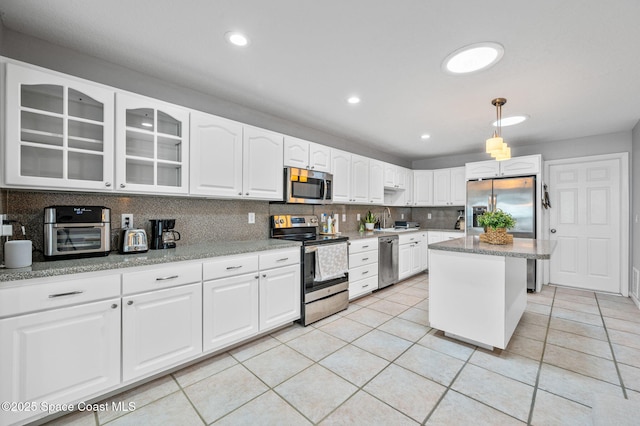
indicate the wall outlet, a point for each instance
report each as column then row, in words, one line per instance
column 126, row 221
column 428, row 215
column 401, row 215
column 358, row 217
column 252, row 217
column 344, row 217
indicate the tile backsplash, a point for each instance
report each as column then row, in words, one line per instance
column 197, row 220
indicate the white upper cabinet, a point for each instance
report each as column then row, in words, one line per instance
column 341, row 170
column 216, row 156
column 231, row 160
column 262, row 174
column 422, row 187
column 517, row 166
column 306, row 155
column 59, row 131
column 376, row 182
column 152, row 146
column 449, row 187
column 395, row 177
column 359, row 179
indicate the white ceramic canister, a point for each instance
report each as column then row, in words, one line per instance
column 17, row 253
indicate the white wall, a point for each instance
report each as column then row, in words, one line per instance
column 42, row 53
column 635, row 200
column 568, row 148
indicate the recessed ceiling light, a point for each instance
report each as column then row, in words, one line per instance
column 473, row 58
column 511, row 120
column 425, row 136
column 353, row 100
column 237, row 39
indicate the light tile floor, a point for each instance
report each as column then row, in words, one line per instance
column 378, row 363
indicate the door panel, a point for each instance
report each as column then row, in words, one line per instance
column 587, row 222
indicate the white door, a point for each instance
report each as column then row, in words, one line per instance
column 216, row 156
column 59, row 356
column 279, row 296
column 230, row 310
column 160, row 329
column 586, row 218
column 263, row 164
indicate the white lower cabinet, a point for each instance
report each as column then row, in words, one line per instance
column 230, row 310
column 160, row 329
column 279, row 296
column 363, row 267
column 410, row 252
column 59, row 356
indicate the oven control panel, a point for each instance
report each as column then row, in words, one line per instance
column 290, row 221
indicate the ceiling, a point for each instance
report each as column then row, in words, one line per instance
column 572, row 65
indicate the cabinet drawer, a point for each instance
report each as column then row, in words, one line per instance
column 274, row 259
column 229, row 266
column 161, row 277
column 364, row 258
column 362, row 272
column 360, row 287
column 409, row 238
column 359, row 246
column 63, row 291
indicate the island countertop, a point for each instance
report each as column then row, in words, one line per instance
column 522, row 247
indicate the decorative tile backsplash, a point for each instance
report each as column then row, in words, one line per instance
column 199, row 220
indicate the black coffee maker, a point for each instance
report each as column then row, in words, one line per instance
column 163, row 234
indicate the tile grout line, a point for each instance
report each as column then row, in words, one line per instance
column 188, row 399
column 613, row 354
column 544, row 347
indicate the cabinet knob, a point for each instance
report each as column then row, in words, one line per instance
column 122, row 185
column 246, row 193
column 257, row 276
column 130, row 302
column 239, row 193
column 264, row 275
column 313, row 167
column 107, row 184
column 115, row 305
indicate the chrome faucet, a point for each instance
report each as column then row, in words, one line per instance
column 384, row 217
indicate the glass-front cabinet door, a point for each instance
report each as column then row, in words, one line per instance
column 152, row 146
column 59, row 131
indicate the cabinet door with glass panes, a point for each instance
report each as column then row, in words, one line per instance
column 59, row 131
column 152, row 146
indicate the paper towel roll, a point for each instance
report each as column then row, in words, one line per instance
column 17, row 253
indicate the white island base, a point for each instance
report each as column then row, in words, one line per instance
column 477, row 298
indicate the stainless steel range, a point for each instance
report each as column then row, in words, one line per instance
column 325, row 277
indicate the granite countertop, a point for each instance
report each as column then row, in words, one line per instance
column 376, row 234
column 521, row 247
column 152, row 257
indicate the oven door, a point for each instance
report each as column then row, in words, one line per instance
column 70, row 239
column 311, row 284
column 307, row 186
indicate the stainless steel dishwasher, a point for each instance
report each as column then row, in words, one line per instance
column 387, row 261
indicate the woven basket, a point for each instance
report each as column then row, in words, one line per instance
column 496, row 236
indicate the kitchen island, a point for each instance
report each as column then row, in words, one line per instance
column 478, row 291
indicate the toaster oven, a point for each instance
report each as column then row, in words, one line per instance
column 72, row 232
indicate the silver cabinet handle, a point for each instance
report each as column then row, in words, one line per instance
column 230, row 268
column 365, row 258
column 115, row 305
column 264, row 275
column 167, row 278
column 365, row 247
column 365, row 272
column 122, row 185
column 107, row 184
column 71, row 293
column 283, row 259
column 256, row 277
column 130, row 302
column 553, row 231
column 365, row 286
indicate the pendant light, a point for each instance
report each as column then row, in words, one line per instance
column 495, row 145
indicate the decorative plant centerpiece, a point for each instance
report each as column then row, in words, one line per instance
column 370, row 220
column 495, row 225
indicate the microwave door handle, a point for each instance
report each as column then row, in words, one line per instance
column 324, row 190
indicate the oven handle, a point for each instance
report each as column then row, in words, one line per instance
column 76, row 225
column 310, row 249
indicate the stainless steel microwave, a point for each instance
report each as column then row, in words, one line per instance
column 302, row 186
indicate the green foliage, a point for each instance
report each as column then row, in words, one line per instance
column 496, row 219
column 370, row 218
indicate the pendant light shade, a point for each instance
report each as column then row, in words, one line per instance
column 495, row 145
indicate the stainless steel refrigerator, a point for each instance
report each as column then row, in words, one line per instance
column 516, row 196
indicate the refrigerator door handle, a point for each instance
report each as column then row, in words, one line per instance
column 490, row 204
column 495, row 202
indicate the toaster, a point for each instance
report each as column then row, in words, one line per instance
column 133, row 241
